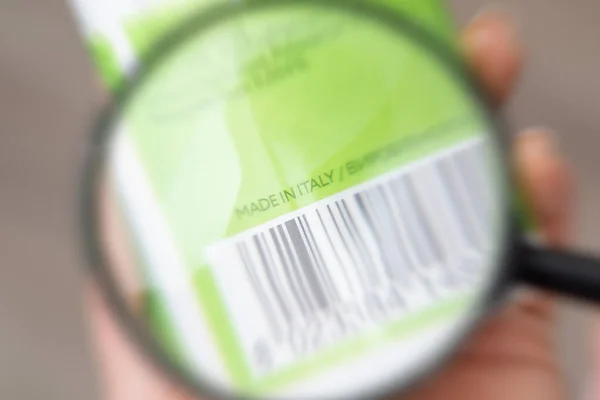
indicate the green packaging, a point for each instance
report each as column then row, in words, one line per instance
column 282, row 181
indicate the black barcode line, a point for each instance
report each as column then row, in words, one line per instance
column 452, row 240
column 410, row 224
column 359, row 209
column 305, row 264
column 469, row 169
column 430, row 242
column 329, row 282
column 347, row 249
column 470, row 165
column 348, row 238
column 473, row 225
column 402, row 245
column 293, row 259
column 399, row 224
column 395, row 245
column 333, row 248
column 367, row 259
column 377, row 232
column 296, row 293
column 399, row 261
column 419, row 222
column 460, row 239
column 258, row 288
column 458, row 203
column 465, row 183
column 267, row 262
column 316, row 266
column 280, row 278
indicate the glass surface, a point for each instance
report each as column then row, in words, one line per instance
column 302, row 201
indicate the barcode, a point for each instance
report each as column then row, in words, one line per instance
column 357, row 259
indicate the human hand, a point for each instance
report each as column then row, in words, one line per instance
column 511, row 356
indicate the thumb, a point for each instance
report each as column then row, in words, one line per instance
column 125, row 374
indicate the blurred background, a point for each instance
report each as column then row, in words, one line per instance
column 47, row 98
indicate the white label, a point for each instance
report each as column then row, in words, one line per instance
column 358, row 260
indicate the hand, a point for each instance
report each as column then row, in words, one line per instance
column 511, row 356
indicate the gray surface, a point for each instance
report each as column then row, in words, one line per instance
column 46, row 98
column 44, row 102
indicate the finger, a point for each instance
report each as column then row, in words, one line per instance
column 514, row 347
column 544, row 176
column 118, row 245
column 542, row 173
column 123, row 371
column 493, row 52
column 546, row 179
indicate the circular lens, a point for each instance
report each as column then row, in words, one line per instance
column 299, row 200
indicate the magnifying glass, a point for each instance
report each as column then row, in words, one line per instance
column 307, row 199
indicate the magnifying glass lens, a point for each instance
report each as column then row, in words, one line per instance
column 300, row 201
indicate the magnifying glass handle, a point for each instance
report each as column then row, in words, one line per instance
column 564, row 272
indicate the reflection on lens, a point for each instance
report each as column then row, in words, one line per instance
column 299, row 201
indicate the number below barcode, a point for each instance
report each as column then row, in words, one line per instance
column 359, row 259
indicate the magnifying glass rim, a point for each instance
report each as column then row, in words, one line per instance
column 203, row 21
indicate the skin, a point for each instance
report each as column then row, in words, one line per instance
column 511, row 356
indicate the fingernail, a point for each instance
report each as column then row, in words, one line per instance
column 491, row 22
column 536, row 159
column 542, row 155
column 539, row 141
column 499, row 11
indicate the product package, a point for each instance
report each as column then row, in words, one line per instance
column 118, row 33
column 246, row 214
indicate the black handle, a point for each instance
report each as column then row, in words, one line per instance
column 563, row 272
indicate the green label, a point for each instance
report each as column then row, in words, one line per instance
column 274, row 151
column 275, row 115
column 106, row 61
column 149, row 24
